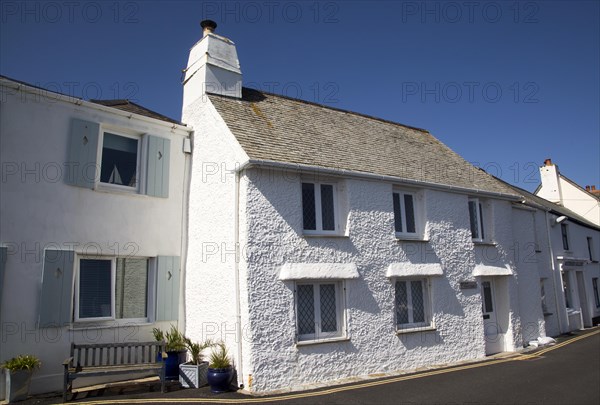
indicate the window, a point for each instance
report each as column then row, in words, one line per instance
column 404, row 214
column 319, row 310
column 136, row 163
column 567, row 290
column 543, row 296
column 590, row 244
column 412, row 303
column 319, row 203
column 120, row 160
column 115, row 288
column 476, row 219
column 565, row 236
column 596, row 293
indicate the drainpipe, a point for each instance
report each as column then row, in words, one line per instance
column 185, row 198
column 238, row 309
column 560, row 327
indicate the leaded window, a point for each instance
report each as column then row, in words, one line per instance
column 319, row 310
column 412, row 303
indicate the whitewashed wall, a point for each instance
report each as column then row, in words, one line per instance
column 274, row 226
column 210, row 285
column 38, row 211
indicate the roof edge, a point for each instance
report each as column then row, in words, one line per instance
column 29, row 88
column 372, row 176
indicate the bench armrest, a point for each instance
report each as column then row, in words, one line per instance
column 68, row 362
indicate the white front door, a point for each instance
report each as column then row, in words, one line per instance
column 494, row 337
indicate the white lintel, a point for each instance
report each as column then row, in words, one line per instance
column 312, row 271
column 407, row 269
column 484, row 270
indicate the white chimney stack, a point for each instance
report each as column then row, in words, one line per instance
column 550, row 189
column 213, row 67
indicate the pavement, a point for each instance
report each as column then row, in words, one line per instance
column 565, row 373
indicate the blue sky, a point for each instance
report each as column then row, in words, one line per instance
column 505, row 84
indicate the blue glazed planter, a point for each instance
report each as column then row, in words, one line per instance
column 219, row 379
column 172, row 362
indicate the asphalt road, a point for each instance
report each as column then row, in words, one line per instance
column 569, row 374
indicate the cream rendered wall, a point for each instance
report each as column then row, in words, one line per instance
column 38, row 211
column 580, row 202
column 578, row 250
column 274, row 237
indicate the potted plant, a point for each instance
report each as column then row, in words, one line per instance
column 18, row 376
column 192, row 374
column 175, row 350
column 220, row 371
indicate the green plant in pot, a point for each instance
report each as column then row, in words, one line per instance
column 18, row 376
column 220, row 370
column 192, row 374
column 175, row 350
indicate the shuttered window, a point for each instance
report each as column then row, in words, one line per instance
column 120, row 163
column 108, row 288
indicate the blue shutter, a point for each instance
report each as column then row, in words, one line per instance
column 57, row 288
column 3, row 254
column 157, row 173
column 83, row 150
column 167, row 288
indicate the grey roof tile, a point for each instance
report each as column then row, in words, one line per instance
column 282, row 129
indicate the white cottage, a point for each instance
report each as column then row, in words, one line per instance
column 93, row 218
column 320, row 244
column 326, row 244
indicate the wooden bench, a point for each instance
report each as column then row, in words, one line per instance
column 99, row 360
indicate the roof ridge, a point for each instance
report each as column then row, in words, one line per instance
column 323, row 106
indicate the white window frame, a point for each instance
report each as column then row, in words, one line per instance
column 481, row 225
column 340, row 297
column 590, row 246
column 564, row 234
column 318, row 209
column 140, row 148
column 427, row 304
column 150, row 296
column 416, row 214
column 596, row 292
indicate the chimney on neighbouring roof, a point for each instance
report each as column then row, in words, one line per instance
column 551, row 188
column 208, row 27
column 587, row 188
column 213, row 67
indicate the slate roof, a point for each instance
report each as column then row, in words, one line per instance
column 277, row 128
column 535, row 201
column 126, row 105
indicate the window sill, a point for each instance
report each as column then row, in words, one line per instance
column 484, row 243
column 405, row 238
column 415, row 330
column 80, row 326
column 323, row 235
column 316, row 342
